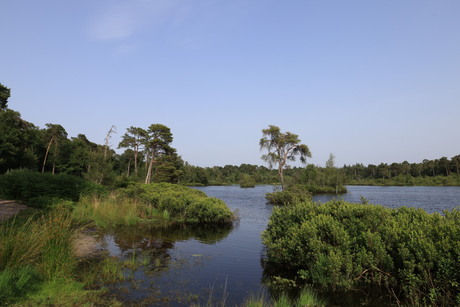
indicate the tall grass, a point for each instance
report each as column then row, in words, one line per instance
column 158, row 203
column 33, row 251
column 38, row 266
column 110, row 211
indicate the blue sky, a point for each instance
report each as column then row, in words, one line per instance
column 370, row 81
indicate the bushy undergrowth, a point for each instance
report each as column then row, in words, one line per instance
column 40, row 190
column 314, row 189
column 247, row 181
column 158, row 203
column 345, row 245
column 290, row 195
column 182, row 203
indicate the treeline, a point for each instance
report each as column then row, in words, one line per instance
column 149, row 157
column 443, row 171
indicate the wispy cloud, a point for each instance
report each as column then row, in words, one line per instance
column 122, row 19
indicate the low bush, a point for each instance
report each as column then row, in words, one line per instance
column 247, row 181
column 292, row 194
column 208, row 210
column 314, row 189
column 344, row 245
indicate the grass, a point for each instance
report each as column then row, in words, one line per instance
column 38, row 266
column 158, row 204
column 110, row 212
column 307, row 298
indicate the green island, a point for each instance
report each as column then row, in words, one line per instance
column 73, row 185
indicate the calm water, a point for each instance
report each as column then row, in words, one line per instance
column 431, row 199
column 187, row 265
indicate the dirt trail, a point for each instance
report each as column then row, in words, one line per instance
column 9, row 208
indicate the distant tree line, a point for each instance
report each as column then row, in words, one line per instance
column 149, row 157
column 442, row 171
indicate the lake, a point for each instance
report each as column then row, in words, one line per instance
column 186, row 265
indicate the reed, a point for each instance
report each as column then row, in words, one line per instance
column 35, row 251
column 109, row 212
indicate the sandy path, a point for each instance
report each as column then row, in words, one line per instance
column 9, row 208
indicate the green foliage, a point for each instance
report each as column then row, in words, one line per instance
column 344, row 245
column 306, row 298
column 34, row 251
column 4, row 95
column 314, row 189
column 38, row 267
column 247, row 181
column 208, row 210
column 111, row 211
column 436, row 172
column 18, row 142
column 156, row 202
column 43, row 189
column 16, row 282
column 282, row 147
column 182, row 203
column 290, row 195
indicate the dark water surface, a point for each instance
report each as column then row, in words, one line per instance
column 186, row 265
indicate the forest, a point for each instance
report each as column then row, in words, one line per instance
column 149, row 157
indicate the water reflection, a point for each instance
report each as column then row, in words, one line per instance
column 158, row 271
column 148, row 236
column 178, row 266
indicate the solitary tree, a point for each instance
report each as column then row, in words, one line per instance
column 282, row 147
column 156, row 143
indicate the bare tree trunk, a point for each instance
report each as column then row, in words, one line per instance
column 46, row 155
column 280, row 172
column 113, row 129
column 129, row 166
column 135, row 162
column 148, row 178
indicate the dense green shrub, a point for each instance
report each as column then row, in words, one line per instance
column 314, row 189
column 290, row 195
column 40, row 188
column 208, row 210
column 182, row 203
column 345, row 245
column 247, row 181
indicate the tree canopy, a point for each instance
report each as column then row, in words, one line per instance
column 4, row 95
column 156, row 143
column 282, row 147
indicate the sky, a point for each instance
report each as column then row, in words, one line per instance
column 369, row 81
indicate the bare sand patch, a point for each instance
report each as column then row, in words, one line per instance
column 86, row 246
